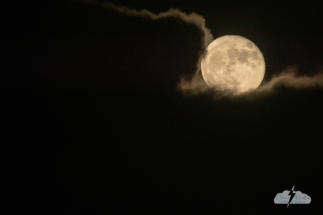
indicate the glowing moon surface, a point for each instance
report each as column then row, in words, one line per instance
column 233, row 64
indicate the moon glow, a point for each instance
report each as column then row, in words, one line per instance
column 233, row 64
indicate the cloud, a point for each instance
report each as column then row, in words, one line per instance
column 299, row 198
column 192, row 18
column 195, row 84
column 289, row 77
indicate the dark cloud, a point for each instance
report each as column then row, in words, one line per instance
column 195, row 84
column 192, row 18
column 289, row 78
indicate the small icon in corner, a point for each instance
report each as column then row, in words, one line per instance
column 292, row 197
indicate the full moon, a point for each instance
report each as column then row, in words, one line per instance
column 233, row 64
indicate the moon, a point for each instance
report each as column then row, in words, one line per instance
column 233, row 64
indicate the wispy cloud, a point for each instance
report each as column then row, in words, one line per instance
column 192, row 18
column 196, row 85
column 289, row 77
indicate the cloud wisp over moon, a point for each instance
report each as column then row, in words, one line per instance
column 289, row 78
column 196, row 85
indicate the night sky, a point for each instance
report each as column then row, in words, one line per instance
column 93, row 121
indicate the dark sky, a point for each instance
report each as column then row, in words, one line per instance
column 93, row 123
